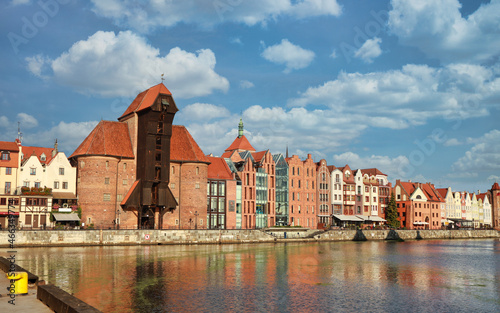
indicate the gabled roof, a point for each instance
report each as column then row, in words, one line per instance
column 372, row 172
column 430, row 192
column 108, row 139
column 442, row 191
column 331, row 168
column 408, row 187
column 38, row 152
column 218, row 169
column 146, row 99
column 257, row 156
column 8, row 146
column 184, row 148
column 241, row 143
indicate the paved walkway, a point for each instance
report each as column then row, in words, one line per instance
column 23, row 303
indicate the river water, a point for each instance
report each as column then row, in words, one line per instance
column 373, row 276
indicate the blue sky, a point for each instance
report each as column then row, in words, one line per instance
column 409, row 87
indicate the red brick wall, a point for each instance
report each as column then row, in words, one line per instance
column 92, row 172
column 230, row 196
column 305, row 195
column 192, row 186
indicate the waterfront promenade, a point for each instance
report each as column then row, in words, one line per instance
column 171, row 237
column 23, row 303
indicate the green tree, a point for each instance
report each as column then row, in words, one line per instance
column 391, row 214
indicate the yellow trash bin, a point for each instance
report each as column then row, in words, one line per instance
column 18, row 282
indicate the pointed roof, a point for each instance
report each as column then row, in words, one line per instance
column 442, row 191
column 109, row 139
column 38, row 152
column 184, row 148
column 146, row 99
column 495, row 186
column 241, row 143
column 372, row 172
column 218, row 169
column 258, row 156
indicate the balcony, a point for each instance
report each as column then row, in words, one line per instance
column 34, row 191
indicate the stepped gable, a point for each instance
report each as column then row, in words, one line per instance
column 218, row 169
column 184, row 148
column 107, row 139
column 146, row 99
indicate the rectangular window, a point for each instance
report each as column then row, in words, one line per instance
column 26, row 184
column 37, row 184
column 197, row 185
column 61, row 171
column 106, row 197
column 7, row 188
column 125, row 182
column 65, row 185
column 5, row 156
column 8, row 171
column 32, row 171
column 214, row 188
column 221, row 205
column 222, row 188
column 3, row 201
column 56, row 185
column 106, row 180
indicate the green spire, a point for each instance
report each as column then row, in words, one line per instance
column 240, row 128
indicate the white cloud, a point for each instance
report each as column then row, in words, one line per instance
column 294, row 57
column 483, row 157
column 452, row 142
column 36, row 63
column 245, row 84
column 274, row 128
column 334, row 54
column 69, row 136
column 438, row 29
column 203, row 112
column 26, row 120
column 125, row 64
column 411, row 96
column 4, row 121
column 147, row 15
column 387, row 165
column 237, row 41
column 19, row 2
column 369, row 50
column 494, row 178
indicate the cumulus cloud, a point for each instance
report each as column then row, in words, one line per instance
column 398, row 99
column 439, row 30
column 482, row 157
column 452, row 142
column 275, row 127
column 148, row 15
column 36, row 63
column 387, row 165
column 68, row 135
column 203, row 112
column 112, row 65
column 369, row 50
column 294, row 57
column 26, row 120
column 4, row 121
column 245, row 84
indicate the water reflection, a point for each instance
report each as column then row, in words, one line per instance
column 423, row 276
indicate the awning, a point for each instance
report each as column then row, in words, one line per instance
column 420, row 223
column 61, row 217
column 445, row 221
column 371, row 218
column 11, row 213
column 349, row 218
column 63, row 195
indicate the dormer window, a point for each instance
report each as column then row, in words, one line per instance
column 164, row 104
column 5, row 155
column 43, row 157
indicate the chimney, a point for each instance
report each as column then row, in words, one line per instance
column 55, row 151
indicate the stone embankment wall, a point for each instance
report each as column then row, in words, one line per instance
column 131, row 237
column 157, row 237
column 359, row 235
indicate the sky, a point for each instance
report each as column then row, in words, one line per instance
column 409, row 87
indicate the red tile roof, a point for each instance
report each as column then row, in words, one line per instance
column 259, row 155
column 495, row 186
column 8, row 146
column 241, row 143
column 218, row 169
column 372, row 171
column 146, row 98
column 108, row 138
column 431, row 193
column 184, row 148
column 331, row 168
column 408, row 187
column 442, row 192
column 481, row 196
column 37, row 151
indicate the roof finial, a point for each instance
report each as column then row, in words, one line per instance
column 240, row 128
column 162, row 77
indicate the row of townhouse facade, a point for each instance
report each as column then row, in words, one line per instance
column 34, row 180
column 144, row 172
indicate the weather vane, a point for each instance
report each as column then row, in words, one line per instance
column 162, row 78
